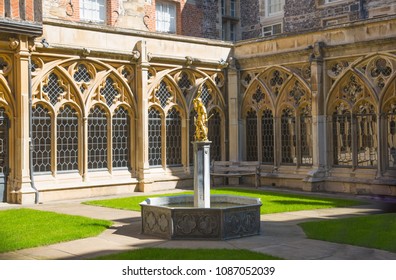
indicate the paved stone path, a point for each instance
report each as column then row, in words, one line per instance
column 280, row 236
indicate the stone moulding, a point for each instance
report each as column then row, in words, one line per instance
column 175, row 218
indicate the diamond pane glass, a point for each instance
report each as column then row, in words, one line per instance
column 288, row 137
column 193, row 115
column 121, row 126
column 173, row 138
column 109, row 92
column 251, row 136
column 342, row 138
column 97, row 139
column 67, row 139
column 391, row 139
column 214, row 135
column 41, row 139
column 184, row 82
column 82, row 75
column 3, row 141
column 163, row 94
column 154, row 135
column 267, row 130
column 52, row 89
column 205, row 95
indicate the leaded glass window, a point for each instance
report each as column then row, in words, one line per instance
column 214, row 135
column 67, row 139
column 391, row 137
column 173, row 138
column 109, row 92
column 288, row 137
column 251, row 136
column 97, row 139
column 366, row 124
column 267, row 137
column 41, row 139
column 306, row 139
column 82, row 74
column 163, row 94
column 205, row 95
column 342, row 137
column 121, row 138
column 193, row 115
column 52, row 88
column 154, row 137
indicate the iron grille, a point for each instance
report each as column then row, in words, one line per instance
column 109, row 92
column 97, row 139
column 52, row 88
column 288, row 137
column 67, row 139
column 251, row 136
column 173, row 138
column 391, row 125
column 214, row 135
column 121, row 138
column 82, row 74
column 163, row 94
column 366, row 125
column 342, row 138
column 267, row 137
column 306, row 139
column 41, row 139
column 154, row 137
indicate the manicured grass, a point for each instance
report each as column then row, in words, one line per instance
column 374, row 231
column 272, row 202
column 27, row 228
column 187, row 254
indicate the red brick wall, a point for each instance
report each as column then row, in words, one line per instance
column 1, row 8
column 15, row 9
column 20, row 9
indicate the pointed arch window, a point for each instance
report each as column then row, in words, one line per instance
column 288, row 138
column 121, row 138
column 97, row 139
column 214, row 135
column 41, row 139
column 67, row 139
column 366, row 134
column 391, row 137
column 267, row 136
column 173, row 138
column 155, row 137
column 251, row 136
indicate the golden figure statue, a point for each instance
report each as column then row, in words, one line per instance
column 201, row 120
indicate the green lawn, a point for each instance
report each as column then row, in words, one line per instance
column 27, row 228
column 374, row 231
column 272, row 202
column 187, row 254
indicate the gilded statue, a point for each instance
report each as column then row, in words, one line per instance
column 201, row 121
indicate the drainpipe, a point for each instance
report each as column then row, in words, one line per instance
column 36, row 200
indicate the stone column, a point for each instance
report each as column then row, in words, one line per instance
column 23, row 191
column 202, row 174
column 142, row 164
column 233, row 111
column 319, row 140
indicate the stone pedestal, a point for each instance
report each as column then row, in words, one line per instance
column 202, row 174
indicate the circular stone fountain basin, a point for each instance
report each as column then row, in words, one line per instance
column 175, row 217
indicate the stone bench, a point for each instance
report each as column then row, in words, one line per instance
column 231, row 169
